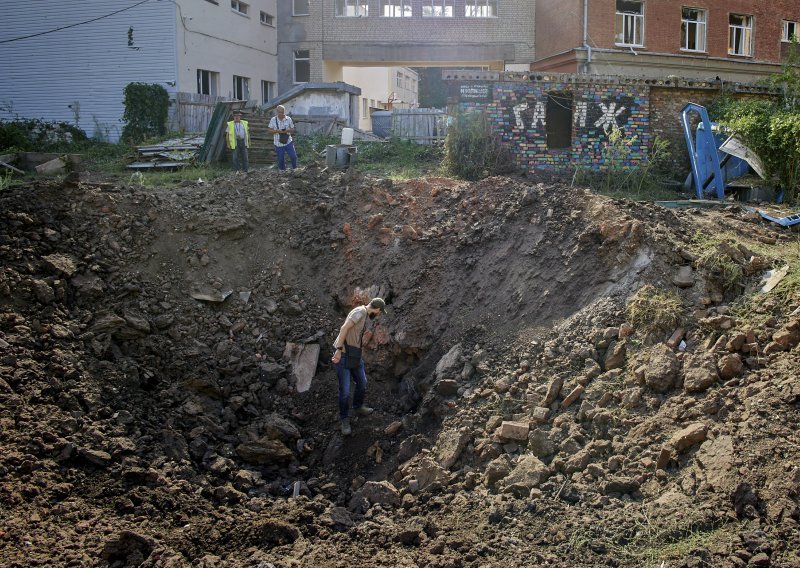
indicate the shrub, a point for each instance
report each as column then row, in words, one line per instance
column 619, row 173
column 146, row 111
column 472, row 150
column 28, row 135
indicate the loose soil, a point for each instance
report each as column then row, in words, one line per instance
column 149, row 414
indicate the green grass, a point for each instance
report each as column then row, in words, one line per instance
column 756, row 306
column 155, row 178
column 399, row 159
column 713, row 258
column 650, row 309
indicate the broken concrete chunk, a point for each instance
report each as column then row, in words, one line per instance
column 700, row 372
column 689, row 436
column 514, row 430
column 684, row 277
column 215, row 296
column 572, row 396
column 449, row 446
column 303, row 358
column 60, row 263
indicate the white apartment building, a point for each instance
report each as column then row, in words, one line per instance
column 382, row 88
column 70, row 61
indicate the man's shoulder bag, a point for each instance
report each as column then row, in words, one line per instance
column 352, row 358
column 353, row 354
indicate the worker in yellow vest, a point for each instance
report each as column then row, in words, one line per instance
column 237, row 139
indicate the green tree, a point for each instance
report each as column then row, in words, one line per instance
column 432, row 90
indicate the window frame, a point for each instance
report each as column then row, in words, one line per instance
column 269, row 87
column 745, row 30
column 236, row 8
column 295, row 60
column 213, row 82
column 786, row 37
column 360, row 8
column 481, row 8
column 623, row 19
column 245, row 88
column 270, row 23
column 700, row 27
column 294, row 8
column 445, row 9
column 403, row 6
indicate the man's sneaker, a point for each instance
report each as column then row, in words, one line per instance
column 363, row 410
column 346, row 430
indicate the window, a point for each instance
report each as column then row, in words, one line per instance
column 300, row 8
column 364, row 107
column 437, row 8
column 693, row 29
column 630, row 23
column 267, row 91
column 241, row 88
column 789, row 30
column 740, row 35
column 396, row 8
column 207, row 82
column 481, row 9
column 302, row 66
column 267, row 19
column 239, row 7
column 399, row 80
column 352, row 8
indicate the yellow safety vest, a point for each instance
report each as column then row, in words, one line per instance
column 232, row 135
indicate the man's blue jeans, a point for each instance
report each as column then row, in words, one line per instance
column 360, row 378
column 282, row 151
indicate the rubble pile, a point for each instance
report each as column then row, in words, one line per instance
column 154, row 410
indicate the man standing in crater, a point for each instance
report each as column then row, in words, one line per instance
column 348, row 361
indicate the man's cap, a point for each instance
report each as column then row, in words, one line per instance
column 378, row 303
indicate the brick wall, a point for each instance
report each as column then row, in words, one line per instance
column 662, row 25
column 519, row 113
column 642, row 108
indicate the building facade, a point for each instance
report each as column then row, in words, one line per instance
column 382, row 88
column 71, row 61
column 735, row 40
column 317, row 38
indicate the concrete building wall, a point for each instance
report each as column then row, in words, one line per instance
column 77, row 75
column 335, row 42
column 214, row 37
column 379, row 86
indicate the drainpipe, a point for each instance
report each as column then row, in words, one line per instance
column 586, row 46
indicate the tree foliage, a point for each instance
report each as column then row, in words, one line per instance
column 770, row 128
column 146, row 111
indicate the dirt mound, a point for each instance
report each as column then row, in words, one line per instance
column 149, row 405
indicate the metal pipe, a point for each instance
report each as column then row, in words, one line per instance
column 586, row 46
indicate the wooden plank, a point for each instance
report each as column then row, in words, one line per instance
column 10, row 167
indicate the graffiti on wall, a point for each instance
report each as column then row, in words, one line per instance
column 599, row 116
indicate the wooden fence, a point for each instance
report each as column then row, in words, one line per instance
column 192, row 112
column 422, row 125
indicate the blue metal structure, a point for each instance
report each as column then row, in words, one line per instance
column 703, row 153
